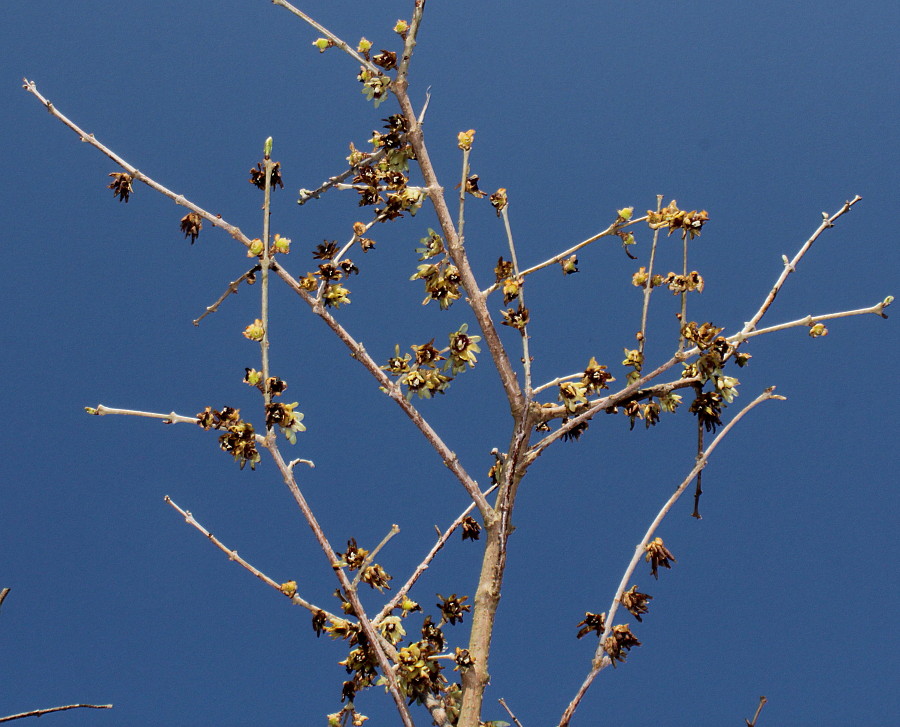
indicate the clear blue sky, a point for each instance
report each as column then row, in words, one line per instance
column 765, row 114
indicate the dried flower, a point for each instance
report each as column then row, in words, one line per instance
column 595, row 622
column 499, row 200
column 658, row 555
column 635, row 602
column 121, row 186
column 471, row 530
column 619, row 643
column 191, row 224
column 452, row 608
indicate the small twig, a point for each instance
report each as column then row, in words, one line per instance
column 410, row 44
column 269, row 166
column 791, row 266
column 39, row 712
column 370, row 558
column 170, row 418
column 335, row 181
column 698, row 489
column 526, row 356
column 178, row 199
column 376, row 642
column 762, row 703
column 601, row 660
column 877, row 309
column 558, row 380
column 233, row 556
column 423, row 566
column 648, row 288
column 231, row 290
column 682, row 316
column 328, row 34
column 3, row 594
column 509, row 712
column 611, row 230
column 461, row 220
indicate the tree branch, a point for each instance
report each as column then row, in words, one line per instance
column 178, row 199
column 601, row 660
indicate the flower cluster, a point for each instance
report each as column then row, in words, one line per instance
column 619, row 643
column 238, row 439
column 689, row 223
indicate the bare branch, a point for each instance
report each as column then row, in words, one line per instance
column 233, row 556
column 376, row 643
column 601, row 660
column 39, row 712
column 231, row 290
column 178, row 199
column 170, row 418
column 762, row 703
column 328, row 34
column 423, row 566
column 789, row 267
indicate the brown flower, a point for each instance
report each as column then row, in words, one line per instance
column 635, row 602
column 121, row 185
column 471, row 530
column 191, row 224
column 595, row 622
column 619, row 642
column 658, row 555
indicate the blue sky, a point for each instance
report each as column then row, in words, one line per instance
column 765, row 114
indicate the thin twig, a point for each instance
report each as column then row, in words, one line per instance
column 601, row 660
column 410, row 43
column 268, row 166
column 358, row 351
column 762, row 703
column 648, row 288
column 178, row 199
column 509, row 712
column 789, row 267
column 3, row 594
column 423, row 566
column 376, row 642
column 526, row 356
column 328, row 34
column 39, row 712
column 231, row 290
column 335, row 181
column 170, row 418
column 611, row 230
column 233, row 556
column 877, row 309
column 370, row 558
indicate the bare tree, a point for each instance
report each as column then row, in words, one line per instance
column 423, row 663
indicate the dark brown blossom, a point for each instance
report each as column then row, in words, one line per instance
column 453, row 608
column 471, row 530
column 191, row 224
column 258, row 176
column 619, row 643
column 658, row 555
column 121, row 186
column 595, row 622
column 635, row 602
